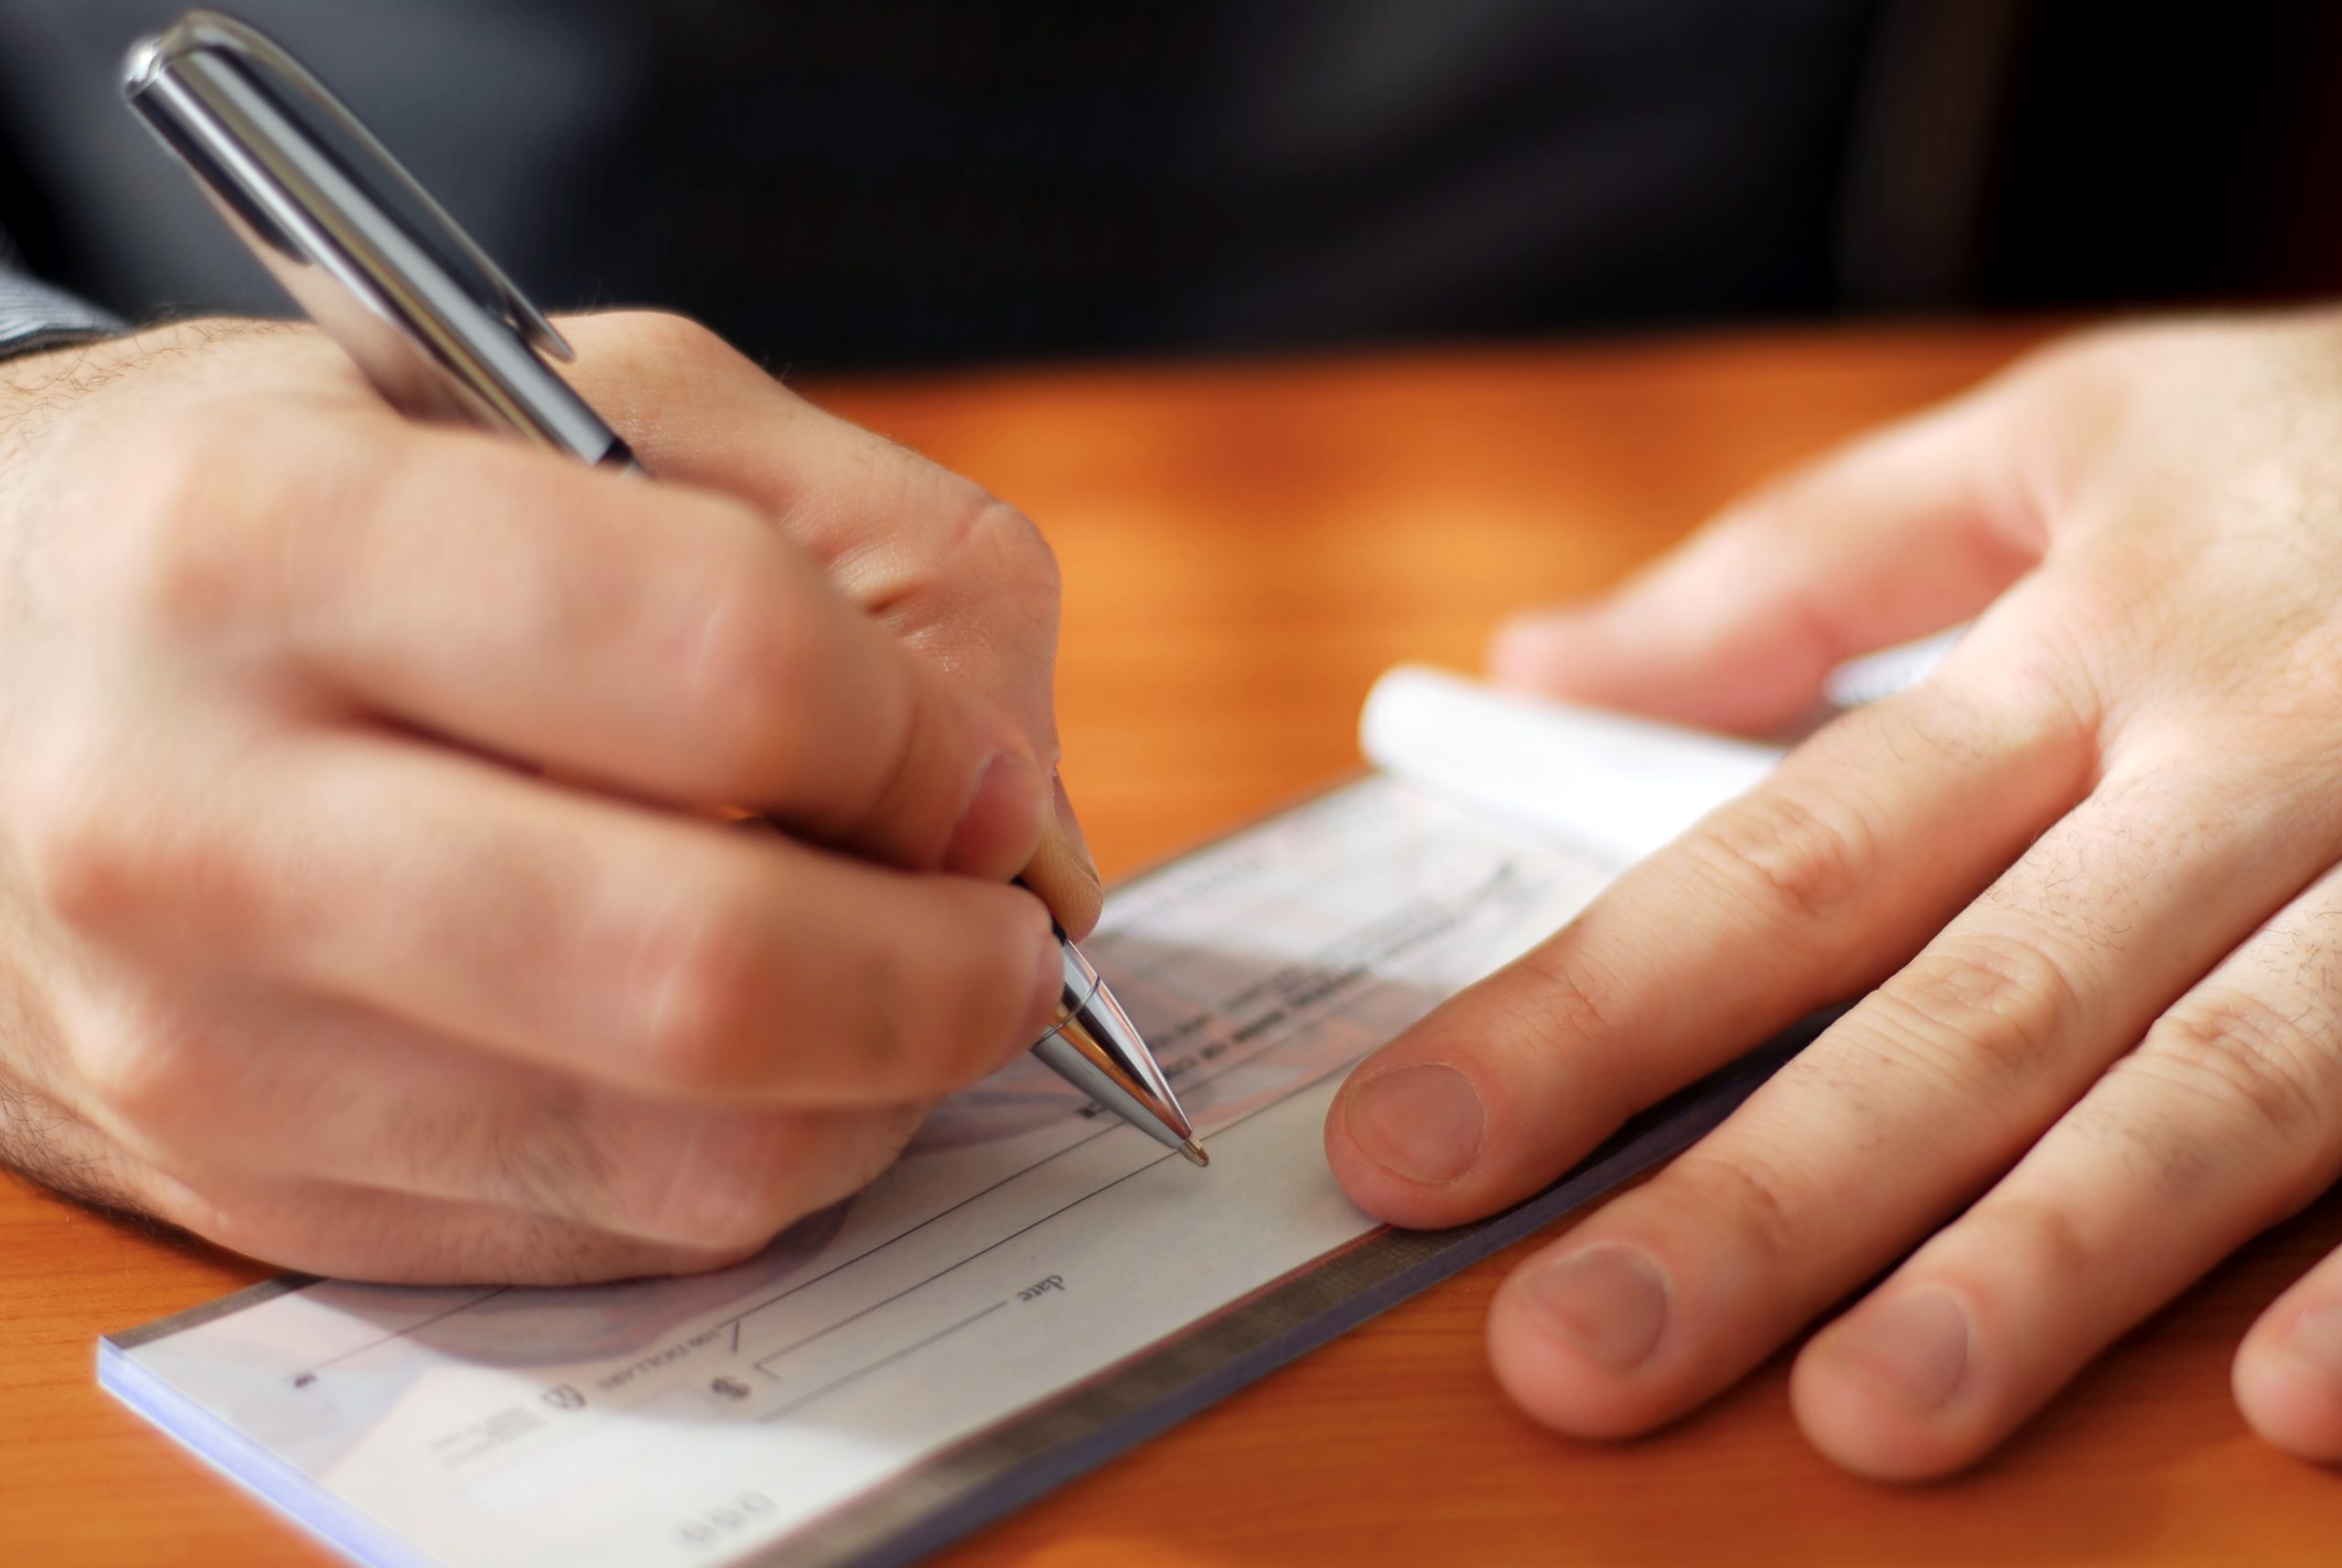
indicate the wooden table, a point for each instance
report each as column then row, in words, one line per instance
column 1245, row 548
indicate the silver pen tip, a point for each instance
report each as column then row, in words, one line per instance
column 1195, row 1152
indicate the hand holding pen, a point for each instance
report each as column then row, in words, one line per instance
column 297, row 960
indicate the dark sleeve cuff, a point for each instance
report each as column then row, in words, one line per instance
column 34, row 316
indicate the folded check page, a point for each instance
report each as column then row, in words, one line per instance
column 1033, row 1286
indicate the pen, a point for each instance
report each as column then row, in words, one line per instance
column 443, row 333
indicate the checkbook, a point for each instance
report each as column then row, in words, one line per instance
column 1035, row 1287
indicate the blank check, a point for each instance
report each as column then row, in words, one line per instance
column 1035, row 1286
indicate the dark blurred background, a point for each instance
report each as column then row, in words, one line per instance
column 842, row 184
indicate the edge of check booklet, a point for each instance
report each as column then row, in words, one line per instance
column 1031, row 1291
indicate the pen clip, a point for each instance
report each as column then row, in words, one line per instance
column 256, row 52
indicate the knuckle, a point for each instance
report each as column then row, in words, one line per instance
column 704, row 987
column 1811, row 860
column 1752, row 1198
column 763, row 655
column 103, row 860
column 149, row 559
column 2272, row 1068
column 725, row 1213
column 183, row 529
column 78, row 857
column 1569, row 1003
column 1001, row 536
column 680, row 1194
column 147, row 1073
column 980, row 540
column 1985, row 1005
column 730, row 1181
column 663, row 335
column 2042, row 1237
column 740, row 1209
column 78, row 868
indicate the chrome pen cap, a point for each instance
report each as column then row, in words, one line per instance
column 356, row 240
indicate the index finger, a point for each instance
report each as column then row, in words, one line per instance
column 1806, row 891
column 656, row 638
column 943, row 564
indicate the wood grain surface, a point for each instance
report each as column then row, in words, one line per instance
column 1244, row 547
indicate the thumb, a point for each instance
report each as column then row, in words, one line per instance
column 1905, row 533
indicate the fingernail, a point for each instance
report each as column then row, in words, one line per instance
column 1062, row 814
column 1913, row 1349
column 1001, row 822
column 1062, row 871
column 1609, row 1303
column 2315, row 1341
column 1421, row 1123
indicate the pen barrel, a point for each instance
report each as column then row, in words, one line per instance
column 1080, row 982
column 363, row 249
column 1093, row 1045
